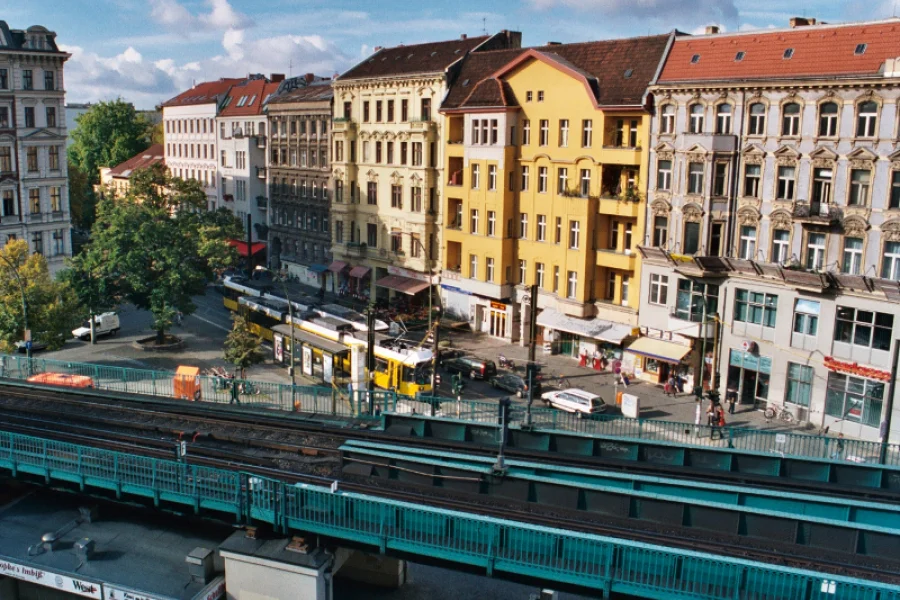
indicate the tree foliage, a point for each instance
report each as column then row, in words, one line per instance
column 52, row 306
column 107, row 134
column 81, row 197
column 242, row 347
column 159, row 246
column 87, row 276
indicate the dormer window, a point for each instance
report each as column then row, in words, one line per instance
column 739, row 57
column 788, row 53
column 695, row 59
column 860, row 49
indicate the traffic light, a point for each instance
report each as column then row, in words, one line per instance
column 437, row 379
column 456, row 382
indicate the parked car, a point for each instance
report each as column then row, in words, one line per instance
column 36, row 346
column 574, row 400
column 514, row 384
column 475, row 368
column 445, row 354
column 105, row 324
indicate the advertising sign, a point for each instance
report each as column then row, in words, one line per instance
column 631, row 406
column 78, row 587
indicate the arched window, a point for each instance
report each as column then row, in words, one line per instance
column 790, row 119
column 866, row 119
column 756, row 125
column 696, row 118
column 828, row 119
column 723, row 118
column 667, row 122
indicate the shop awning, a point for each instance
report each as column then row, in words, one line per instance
column 407, row 285
column 595, row 329
column 359, row 272
column 660, row 350
column 337, row 266
column 317, row 268
column 242, row 247
column 311, row 340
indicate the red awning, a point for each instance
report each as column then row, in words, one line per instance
column 359, row 272
column 407, row 285
column 337, row 266
column 242, row 247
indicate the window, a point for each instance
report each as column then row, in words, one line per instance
column 748, row 243
column 585, row 190
column 539, row 274
column 526, row 132
column 492, row 177
column 866, row 119
column 613, row 240
column 756, row 308
column 854, row 399
column 664, row 175
column 852, row 259
column 756, row 125
column 31, row 155
column 51, row 116
column 525, row 174
column 339, row 232
column 860, row 179
column 415, row 245
column 695, row 178
column 542, row 180
column 390, row 111
column 691, row 238
column 27, row 79
column 417, row 154
column 529, row 95
column 863, row 328
column 56, row 199
column 696, row 118
column 574, row 234
column 667, row 120
column 723, row 118
column 396, row 236
column 545, row 132
column 788, row 54
column 540, row 95
column 555, row 279
column 492, row 223
column 799, row 384
column 780, row 245
column 542, row 228
column 4, row 79
column 815, row 251
column 562, row 181
column 523, row 226
column 396, row 196
column 37, row 242
column 572, row 287
column 752, row 175
column 786, row 183
column 821, row 192
column 660, row 231
column 563, row 133
column 806, row 317
column 377, row 153
column 890, row 265
column 587, row 133
column 720, row 178
column 473, row 266
column 403, row 152
column 426, row 109
column 34, row 200
column 828, row 119
column 476, row 176
column 372, row 192
column 894, row 200
column 558, row 230
column 523, row 271
column 790, row 119
column 611, row 285
column 494, row 131
column 628, row 236
column 689, row 301
column 372, row 235
column 366, row 111
column 29, row 116
column 404, row 110
column 5, row 159
column 4, row 117
column 659, row 289
column 473, row 221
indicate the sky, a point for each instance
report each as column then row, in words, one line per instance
column 147, row 51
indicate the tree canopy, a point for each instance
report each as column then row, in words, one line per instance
column 52, row 306
column 242, row 347
column 107, row 134
column 158, row 246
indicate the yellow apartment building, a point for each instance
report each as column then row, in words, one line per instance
column 545, row 167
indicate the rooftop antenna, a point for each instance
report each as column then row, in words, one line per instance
column 484, row 25
column 291, row 68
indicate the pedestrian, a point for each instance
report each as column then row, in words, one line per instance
column 679, row 383
column 731, row 399
column 838, row 447
column 235, row 393
column 711, row 414
column 698, row 411
column 670, row 386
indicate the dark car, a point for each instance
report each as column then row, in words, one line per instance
column 474, row 368
column 445, row 354
column 515, row 384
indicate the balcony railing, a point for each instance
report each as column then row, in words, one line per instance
column 817, row 212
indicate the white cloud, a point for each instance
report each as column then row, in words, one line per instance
column 698, row 10
column 170, row 14
column 221, row 16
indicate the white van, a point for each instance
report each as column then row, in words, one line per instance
column 105, row 324
column 576, row 401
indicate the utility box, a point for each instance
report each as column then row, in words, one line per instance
column 187, row 383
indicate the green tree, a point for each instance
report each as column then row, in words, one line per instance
column 157, row 135
column 107, row 134
column 81, row 197
column 52, row 306
column 160, row 246
column 242, row 347
column 90, row 281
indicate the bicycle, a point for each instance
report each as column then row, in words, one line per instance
column 560, row 382
column 783, row 414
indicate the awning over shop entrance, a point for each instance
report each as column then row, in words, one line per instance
column 407, row 285
column 660, row 350
column 317, row 268
column 359, row 272
column 242, row 247
column 337, row 266
column 595, row 329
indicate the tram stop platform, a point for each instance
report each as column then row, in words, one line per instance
column 89, row 548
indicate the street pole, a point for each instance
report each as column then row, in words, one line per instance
column 370, row 356
column 15, row 273
column 892, row 389
column 532, row 333
column 435, row 348
column 703, row 346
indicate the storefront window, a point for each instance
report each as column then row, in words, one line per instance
column 651, row 365
column 690, row 299
column 748, row 374
column 799, row 384
column 854, row 399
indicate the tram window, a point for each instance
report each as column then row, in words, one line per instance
column 381, row 365
column 422, row 373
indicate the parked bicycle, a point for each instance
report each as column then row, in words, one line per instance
column 506, row 363
column 781, row 412
column 560, row 382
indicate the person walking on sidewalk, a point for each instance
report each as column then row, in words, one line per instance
column 731, row 400
column 670, row 386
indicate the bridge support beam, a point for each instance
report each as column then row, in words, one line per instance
column 376, row 570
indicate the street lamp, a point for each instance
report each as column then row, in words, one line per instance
column 15, row 273
column 287, row 297
column 704, row 322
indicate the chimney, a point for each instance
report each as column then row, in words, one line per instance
column 463, row 37
column 309, row 77
column 711, row 29
column 50, row 541
column 801, row 22
column 84, row 549
column 378, row 49
column 276, row 77
column 335, row 76
column 200, row 565
column 554, row 43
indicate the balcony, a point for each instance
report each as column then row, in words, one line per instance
column 262, row 203
column 817, row 213
column 261, row 172
column 621, row 155
column 714, row 142
column 614, row 259
column 621, row 206
column 35, row 217
column 260, row 141
column 455, row 171
column 454, row 278
column 343, row 125
column 357, row 249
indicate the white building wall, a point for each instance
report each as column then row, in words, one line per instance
column 197, row 135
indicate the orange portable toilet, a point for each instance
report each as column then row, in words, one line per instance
column 187, row 383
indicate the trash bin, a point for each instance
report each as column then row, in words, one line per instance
column 619, row 398
column 187, row 383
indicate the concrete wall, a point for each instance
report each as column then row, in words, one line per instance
column 255, row 578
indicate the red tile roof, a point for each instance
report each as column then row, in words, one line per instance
column 317, row 92
column 418, row 58
column 490, row 93
column 207, row 92
column 149, row 157
column 818, row 51
column 247, row 97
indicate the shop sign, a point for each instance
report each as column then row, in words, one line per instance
column 449, row 276
column 751, row 362
column 50, row 579
column 392, row 270
column 850, row 368
column 213, row 591
column 498, row 306
column 115, row 593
